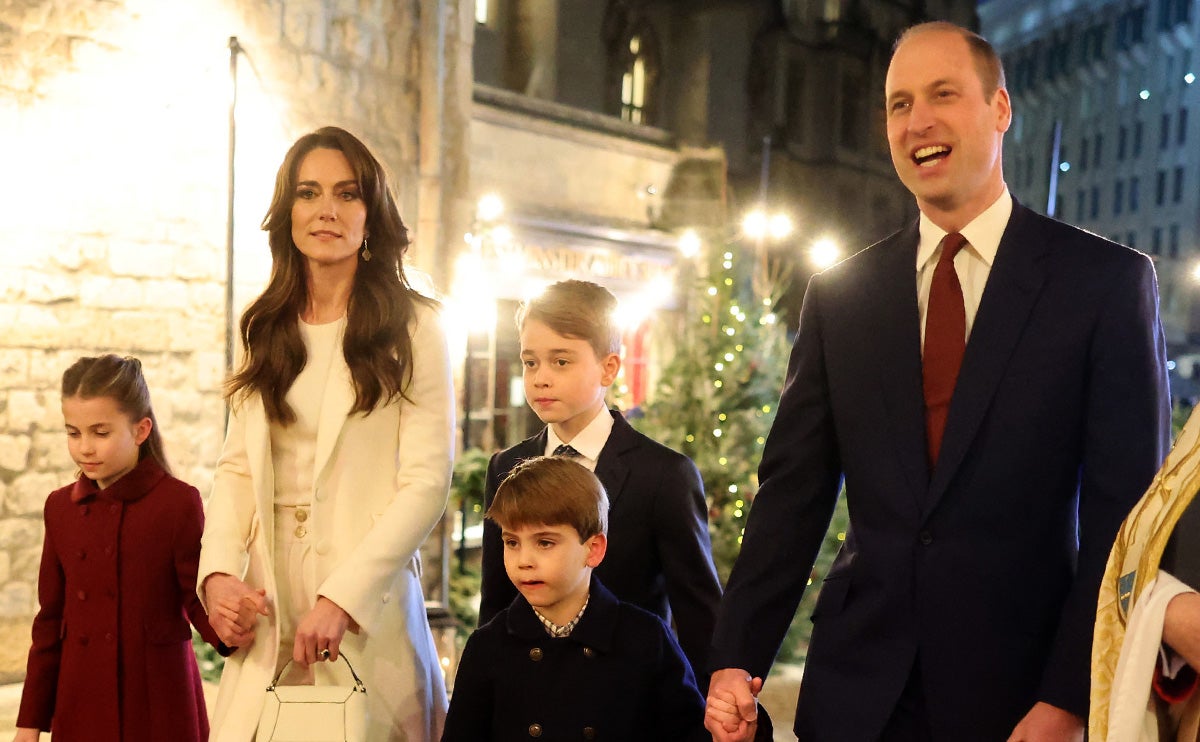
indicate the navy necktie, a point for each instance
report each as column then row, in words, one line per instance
column 565, row 450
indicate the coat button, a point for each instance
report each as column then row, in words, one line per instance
column 114, row 509
column 83, row 640
column 926, row 538
column 108, row 550
column 589, row 652
column 535, row 730
column 81, row 595
column 323, row 547
column 109, row 637
column 387, row 597
column 301, row 515
column 589, row 733
column 82, row 554
column 301, row 531
column 535, row 654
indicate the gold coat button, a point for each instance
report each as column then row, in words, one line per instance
column 589, row 733
column 301, row 531
column 535, row 730
column 589, row 652
column 535, row 654
column 301, row 515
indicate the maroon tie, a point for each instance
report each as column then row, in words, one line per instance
column 945, row 340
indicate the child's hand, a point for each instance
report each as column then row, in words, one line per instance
column 732, row 697
column 233, row 608
column 27, row 734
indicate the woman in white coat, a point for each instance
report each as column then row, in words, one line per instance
column 337, row 460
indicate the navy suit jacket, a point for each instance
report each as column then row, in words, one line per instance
column 659, row 552
column 986, row 571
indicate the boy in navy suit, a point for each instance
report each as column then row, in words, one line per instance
column 660, row 555
column 566, row 659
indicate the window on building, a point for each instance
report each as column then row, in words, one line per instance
column 1181, row 126
column 1131, row 239
column 1137, row 139
column 1164, row 131
column 1131, row 27
column 1134, row 195
column 1160, row 188
column 1173, row 241
column 1156, row 241
column 1083, row 154
column 1122, row 135
column 1177, row 186
column 1097, row 150
column 1080, row 200
column 1118, row 197
column 633, row 84
column 633, row 65
column 1094, row 212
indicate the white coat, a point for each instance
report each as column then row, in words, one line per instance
column 380, row 485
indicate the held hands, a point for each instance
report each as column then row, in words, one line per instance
column 233, row 608
column 1046, row 723
column 319, row 635
column 731, row 712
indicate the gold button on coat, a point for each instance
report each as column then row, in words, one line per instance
column 535, row 654
column 301, row 531
column 301, row 515
column 589, row 652
column 589, row 733
column 535, row 730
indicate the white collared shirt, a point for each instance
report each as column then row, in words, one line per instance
column 588, row 443
column 973, row 264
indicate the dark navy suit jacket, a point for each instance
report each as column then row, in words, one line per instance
column 659, row 552
column 986, row 571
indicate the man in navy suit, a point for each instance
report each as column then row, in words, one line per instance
column 961, row 604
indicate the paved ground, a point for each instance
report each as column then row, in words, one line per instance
column 779, row 698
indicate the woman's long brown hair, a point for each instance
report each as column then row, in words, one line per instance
column 377, row 345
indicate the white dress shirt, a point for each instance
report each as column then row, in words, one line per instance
column 588, row 443
column 973, row 264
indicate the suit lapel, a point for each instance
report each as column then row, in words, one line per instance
column 1012, row 290
column 897, row 331
column 610, row 470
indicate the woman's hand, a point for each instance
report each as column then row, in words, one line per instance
column 321, row 629
column 27, row 734
column 233, row 608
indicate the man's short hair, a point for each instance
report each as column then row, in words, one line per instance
column 551, row 491
column 577, row 309
column 988, row 66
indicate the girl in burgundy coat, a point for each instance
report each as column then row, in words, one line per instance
column 112, row 658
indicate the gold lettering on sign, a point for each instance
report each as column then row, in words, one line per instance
column 566, row 261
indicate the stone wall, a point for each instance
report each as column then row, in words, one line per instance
column 116, row 194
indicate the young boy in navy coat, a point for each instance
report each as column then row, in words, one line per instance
column 660, row 554
column 567, row 660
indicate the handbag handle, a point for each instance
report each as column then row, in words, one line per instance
column 358, row 683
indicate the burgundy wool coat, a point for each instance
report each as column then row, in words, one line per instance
column 112, row 658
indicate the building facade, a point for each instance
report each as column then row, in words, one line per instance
column 1102, row 135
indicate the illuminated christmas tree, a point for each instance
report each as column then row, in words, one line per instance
column 715, row 399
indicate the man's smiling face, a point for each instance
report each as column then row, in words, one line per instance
column 943, row 130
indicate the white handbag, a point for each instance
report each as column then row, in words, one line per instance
column 314, row 713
